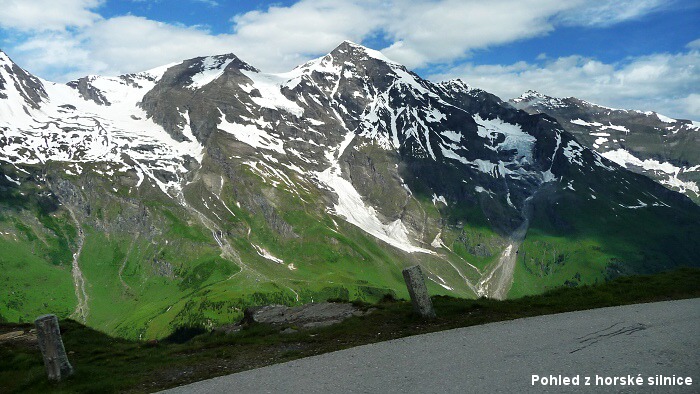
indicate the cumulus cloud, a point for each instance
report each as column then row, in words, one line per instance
column 134, row 43
column 426, row 32
column 420, row 32
column 59, row 55
column 282, row 37
column 667, row 83
column 115, row 46
column 42, row 15
column 65, row 39
column 277, row 39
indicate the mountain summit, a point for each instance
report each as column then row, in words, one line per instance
column 19, row 90
column 179, row 195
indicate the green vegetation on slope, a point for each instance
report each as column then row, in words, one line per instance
column 153, row 263
column 107, row 364
column 573, row 240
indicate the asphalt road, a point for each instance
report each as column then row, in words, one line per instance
column 643, row 340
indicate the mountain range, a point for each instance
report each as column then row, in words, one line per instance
column 180, row 195
column 648, row 143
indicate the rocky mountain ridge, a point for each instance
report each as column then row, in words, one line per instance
column 664, row 149
column 182, row 194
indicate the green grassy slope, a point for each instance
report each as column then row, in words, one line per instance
column 107, row 364
column 573, row 240
column 151, row 266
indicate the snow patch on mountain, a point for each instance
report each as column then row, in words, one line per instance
column 599, row 141
column 665, row 119
column 615, row 127
column 252, row 135
column 353, row 209
column 581, row 122
column 157, row 73
column 265, row 254
column 436, row 199
column 68, row 128
column 452, row 135
column 573, row 151
column 371, row 53
column 625, row 158
column 599, row 125
column 515, row 137
column 14, row 108
column 269, row 86
column 640, row 204
column 212, row 68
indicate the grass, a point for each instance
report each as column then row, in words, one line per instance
column 107, row 364
column 575, row 241
column 151, row 266
column 32, row 284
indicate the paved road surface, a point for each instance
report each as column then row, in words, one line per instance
column 647, row 339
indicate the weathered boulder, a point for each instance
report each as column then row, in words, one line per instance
column 303, row 317
column 415, row 282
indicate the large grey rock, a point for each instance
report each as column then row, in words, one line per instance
column 418, row 291
column 51, row 345
column 306, row 316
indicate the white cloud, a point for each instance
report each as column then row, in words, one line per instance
column 131, row 43
column 58, row 54
column 425, row 32
column 610, row 12
column 211, row 3
column 440, row 31
column 41, row 15
column 421, row 32
column 667, row 83
column 283, row 37
column 115, row 46
column 275, row 40
column 691, row 105
column 64, row 39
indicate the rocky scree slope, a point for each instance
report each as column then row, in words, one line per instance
column 180, row 195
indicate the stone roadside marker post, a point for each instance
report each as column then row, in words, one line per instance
column 49, row 335
column 419, row 292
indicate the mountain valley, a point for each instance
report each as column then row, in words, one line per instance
column 180, row 195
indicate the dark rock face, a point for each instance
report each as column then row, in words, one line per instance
column 26, row 85
column 3, row 95
column 273, row 219
column 664, row 149
column 177, row 101
column 215, row 180
column 88, row 91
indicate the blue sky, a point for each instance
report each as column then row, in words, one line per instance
column 641, row 54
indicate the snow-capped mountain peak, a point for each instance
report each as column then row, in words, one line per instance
column 350, row 50
column 535, row 98
column 331, row 176
column 20, row 91
column 649, row 143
